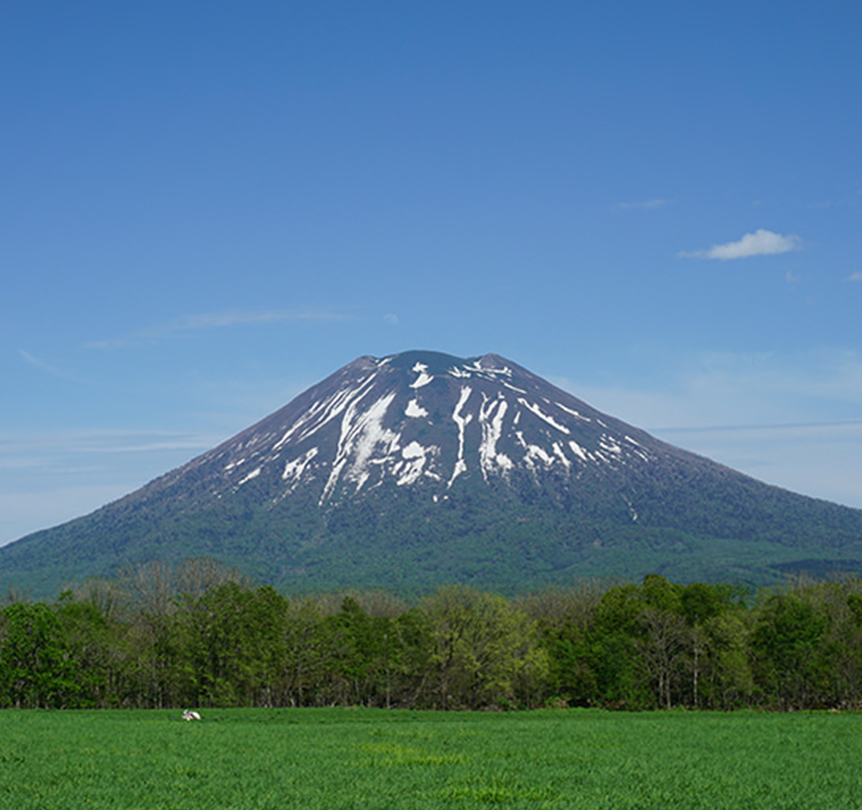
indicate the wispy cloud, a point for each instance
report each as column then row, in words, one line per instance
column 851, row 201
column 208, row 320
column 53, row 476
column 854, row 277
column 792, row 279
column 48, row 368
column 791, row 421
column 24, row 512
column 645, row 205
column 820, row 459
column 759, row 243
column 65, row 443
column 733, row 389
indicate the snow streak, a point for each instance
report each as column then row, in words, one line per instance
column 462, row 422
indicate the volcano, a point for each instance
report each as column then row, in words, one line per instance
column 418, row 469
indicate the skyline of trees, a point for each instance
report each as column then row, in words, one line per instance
column 201, row 635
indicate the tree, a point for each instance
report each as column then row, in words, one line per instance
column 301, row 668
column 482, row 649
column 230, row 645
column 662, row 647
column 699, row 603
column 728, row 680
column 785, row 642
column 36, row 670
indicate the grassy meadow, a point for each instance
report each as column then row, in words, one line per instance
column 365, row 758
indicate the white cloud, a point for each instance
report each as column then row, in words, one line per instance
column 207, row 320
column 759, row 243
column 854, row 277
column 391, row 319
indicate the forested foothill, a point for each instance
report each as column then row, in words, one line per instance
column 199, row 634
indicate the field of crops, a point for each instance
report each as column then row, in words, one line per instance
column 343, row 758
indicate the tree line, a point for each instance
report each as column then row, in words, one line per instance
column 201, row 635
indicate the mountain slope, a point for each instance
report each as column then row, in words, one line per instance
column 422, row 468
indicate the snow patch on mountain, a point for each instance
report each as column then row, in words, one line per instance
column 607, row 443
column 476, row 369
column 572, row 412
column 253, row 474
column 491, row 415
column 361, row 433
column 578, row 450
column 462, row 422
column 414, row 410
column 293, row 470
column 322, row 412
column 424, row 377
column 412, row 467
column 538, row 412
column 558, row 452
column 534, row 453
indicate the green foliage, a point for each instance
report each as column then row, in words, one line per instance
column 786, row 643
column 198, row 635
column 35, row 666
column 229, row 643
column 481, row 648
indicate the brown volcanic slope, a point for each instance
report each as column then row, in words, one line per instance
column 421, row 468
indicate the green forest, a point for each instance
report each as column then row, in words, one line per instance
column 200, row 635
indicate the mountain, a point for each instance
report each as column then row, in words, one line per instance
column 421, row 468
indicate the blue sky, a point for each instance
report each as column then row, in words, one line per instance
column 207, row 207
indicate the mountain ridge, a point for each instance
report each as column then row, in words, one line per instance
column 421, row 468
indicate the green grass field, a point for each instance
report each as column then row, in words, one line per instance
column 342, row 758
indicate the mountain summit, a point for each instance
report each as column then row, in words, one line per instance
column 426, row 421
column 421, row 468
